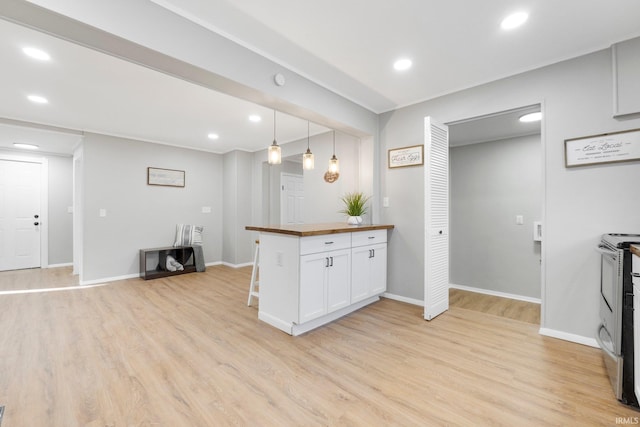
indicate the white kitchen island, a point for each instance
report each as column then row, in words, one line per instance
column 312, row 274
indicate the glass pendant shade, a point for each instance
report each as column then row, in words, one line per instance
column 307, row 160
column 334, row 165
column 275, row 154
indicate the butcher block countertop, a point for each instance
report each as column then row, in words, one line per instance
column 302, row 230
column 635, row 249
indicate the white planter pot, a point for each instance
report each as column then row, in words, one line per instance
column 354, row 220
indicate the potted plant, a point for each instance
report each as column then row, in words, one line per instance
column 354, row 207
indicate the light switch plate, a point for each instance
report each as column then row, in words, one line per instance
column 206, row 209
column 519, row 219
column 103, row 213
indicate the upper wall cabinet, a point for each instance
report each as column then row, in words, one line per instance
column 626, row 77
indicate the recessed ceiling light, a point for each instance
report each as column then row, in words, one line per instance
column 213, row 136
column 255, row 118
column 25, row 146
column 402, row 64
column 531, row 117
column 514, row 20
column 38, row 99
column 36, row 53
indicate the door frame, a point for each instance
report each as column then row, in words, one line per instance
column 543, row 171
column 44, row 200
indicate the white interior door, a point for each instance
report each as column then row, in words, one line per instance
column 436, row 275
column 292, row 198
column 20, row 188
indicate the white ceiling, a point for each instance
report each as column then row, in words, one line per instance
column 347, row 47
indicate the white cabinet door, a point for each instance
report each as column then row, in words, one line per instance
column 338, row 279
column 360, row 273
column 312, row 286
column 325, row 283
column 378, row 263
column 369, row 271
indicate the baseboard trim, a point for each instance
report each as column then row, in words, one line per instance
column 211, row 264
column 578, row 339
column 404, row 299
column 495, row 293
column 228, row 264
column 65, row 264
column 108, row 279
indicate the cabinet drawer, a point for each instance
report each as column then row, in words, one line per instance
column 371, row 237
column 325, row 242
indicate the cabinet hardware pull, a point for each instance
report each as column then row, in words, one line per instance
column 635, row 274
column 326, row 261
column 371, row 237
column 331, row 261
column 328, row 243
column 373, row 253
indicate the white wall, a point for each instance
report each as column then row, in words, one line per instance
column 237, row 198
column 491, row 183
column 580, row 203
column 139, row 215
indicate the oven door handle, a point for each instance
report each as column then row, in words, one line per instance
column 605, row 251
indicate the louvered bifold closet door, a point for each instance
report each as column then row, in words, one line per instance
column 436, row 294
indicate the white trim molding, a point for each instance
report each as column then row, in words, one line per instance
column 495, row 293
column 578, row 339
column 400, row 298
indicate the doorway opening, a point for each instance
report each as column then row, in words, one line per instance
column 496, row 198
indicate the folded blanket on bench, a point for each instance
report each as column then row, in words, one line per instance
column 198, row 258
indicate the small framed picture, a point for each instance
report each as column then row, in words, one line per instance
column 165, row 177
column 406, row 156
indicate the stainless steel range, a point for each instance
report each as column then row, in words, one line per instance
column 615, row 333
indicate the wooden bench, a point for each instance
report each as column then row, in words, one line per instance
column 153, row 261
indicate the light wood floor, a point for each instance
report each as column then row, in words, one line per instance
column 187, row 351
column 497, row 306
column 36, row 278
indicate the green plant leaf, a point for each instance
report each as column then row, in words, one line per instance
column 354, row 204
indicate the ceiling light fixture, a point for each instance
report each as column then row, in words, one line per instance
column 213, row 136
column 25, row 146
column 37, row 99
column 531, row 117
column 307, row 158
column 35, row 53
column 402, row 64
column 255, row 118
column 514, row 20
column 274, row 152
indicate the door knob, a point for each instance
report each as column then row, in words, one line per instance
column 36, row 216
column 36, row 223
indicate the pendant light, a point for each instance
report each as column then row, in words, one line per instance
column 334, row 166
column 274, row 153
column 307, row 158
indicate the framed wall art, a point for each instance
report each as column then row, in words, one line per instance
column 611, row 147
column 406, row 156
column 165, row 177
